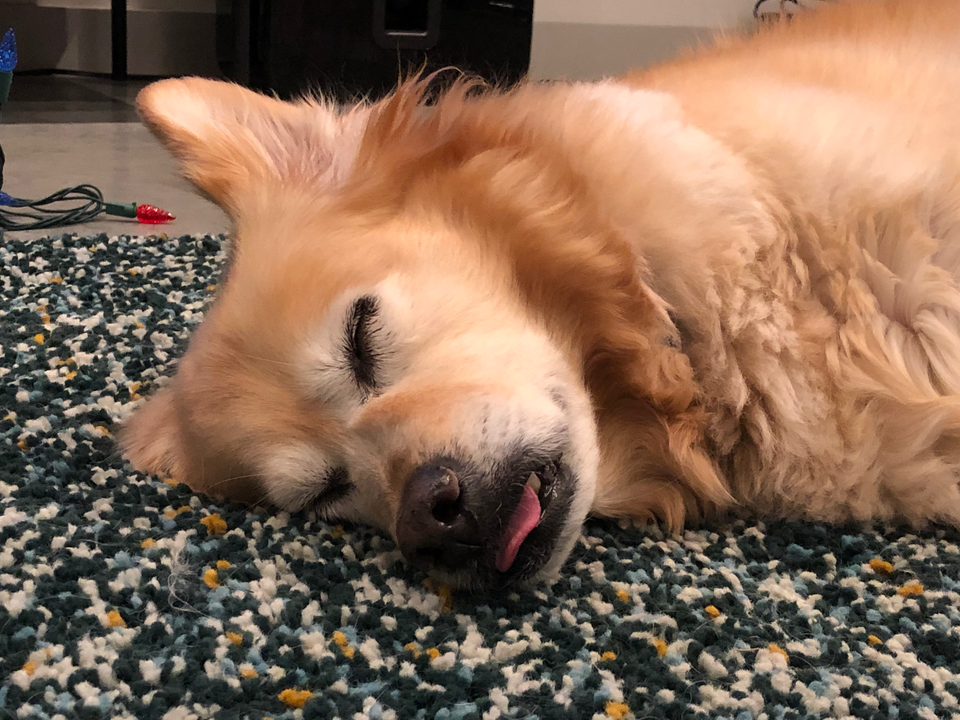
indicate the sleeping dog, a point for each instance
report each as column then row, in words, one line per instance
column 728, row 284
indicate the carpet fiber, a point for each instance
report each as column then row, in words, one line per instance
column 126, row 596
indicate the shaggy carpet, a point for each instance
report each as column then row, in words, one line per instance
column 127, row 596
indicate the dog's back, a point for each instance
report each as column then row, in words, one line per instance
column 835, row 351
column 785, row 100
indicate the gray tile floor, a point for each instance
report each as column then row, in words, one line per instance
column 70, row 99
column 61, row 131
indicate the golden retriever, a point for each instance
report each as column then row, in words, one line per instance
column 726, row 284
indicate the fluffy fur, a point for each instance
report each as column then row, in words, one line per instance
column 727, row 284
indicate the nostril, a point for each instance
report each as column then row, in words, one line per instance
column 446, row 511
column 445, row 507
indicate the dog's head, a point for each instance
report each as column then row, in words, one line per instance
column 422, row 326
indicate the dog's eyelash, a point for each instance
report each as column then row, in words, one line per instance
column 363, row 356
column 336, row 487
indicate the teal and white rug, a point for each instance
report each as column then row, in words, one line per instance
column 122, row 596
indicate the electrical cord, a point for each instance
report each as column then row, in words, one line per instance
column 69, row 206
column 759, row 4
column 77, row 204
column 759, row 15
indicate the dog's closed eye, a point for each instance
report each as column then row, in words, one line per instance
column 299, row 476
column 334, row 488
column 361, row 342
column 357, row 352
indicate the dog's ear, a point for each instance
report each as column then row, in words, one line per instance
column 226, row 136
column 151, row 438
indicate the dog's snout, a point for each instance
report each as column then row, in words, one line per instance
column 434, row 528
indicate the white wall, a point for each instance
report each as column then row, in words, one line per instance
column 590, row 39
column 658, row 13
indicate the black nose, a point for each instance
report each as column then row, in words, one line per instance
column 435, row 530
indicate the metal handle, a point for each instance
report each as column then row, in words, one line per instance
column 422, row 37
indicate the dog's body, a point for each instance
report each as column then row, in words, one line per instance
column 728, row 283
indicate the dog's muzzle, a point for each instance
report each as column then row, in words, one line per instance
column 484, row 529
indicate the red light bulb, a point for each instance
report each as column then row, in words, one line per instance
column 152, row 215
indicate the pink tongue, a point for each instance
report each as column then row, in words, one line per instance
column 525, row 519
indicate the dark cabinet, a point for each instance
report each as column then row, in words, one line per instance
column 351, row 48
